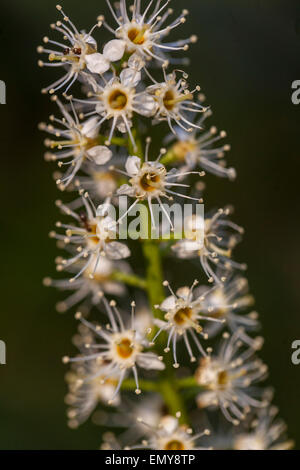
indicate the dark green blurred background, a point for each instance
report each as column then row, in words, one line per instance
column 247, row 56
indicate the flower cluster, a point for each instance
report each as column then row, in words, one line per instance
column 103, row 144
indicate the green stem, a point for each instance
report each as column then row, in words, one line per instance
column 188, row 382
column 154, row 274
column 173, row 399
column 168, row 158
column 145, row 385
column 168, row 385
column 138, row 149
column 119, row 141
column 129, row 279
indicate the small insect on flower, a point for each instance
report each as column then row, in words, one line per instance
column 214, row 246
column 227, row 301
column 91, row 284
column 175, row 101
column 78, row 143
column 182, row 318
column 150, row 180
column 266, row 433
column 120, row 347
column 117, row 100
column 93, row 237
column 169, row 435
column 144, row 32
column 228, row 379
column 79, row 52
column 197, row 148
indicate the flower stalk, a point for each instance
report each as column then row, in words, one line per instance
column 101, row 142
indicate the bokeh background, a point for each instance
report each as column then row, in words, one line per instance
column 247, row 56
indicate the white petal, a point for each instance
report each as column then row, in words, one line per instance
column 169, row 303
column 169, row 424
column 109, row 223
column 112, row 288
column 183, row 292
column 103, row 210
column 143, row 320
column 100, row 154
column 90, row 128
column 135, row 62
column 99, row 108
column 121, row 126
column 160, row 323
column 104, row 265
column 189, row 245
column 205, row 399
column 133, row 165
column 106, row 392
column 90, row 40
column 97, row 63
column 150, row 361
column 130, row 77
column 145, row 104
column 117, row 250
column 125, row 189
column 114, row 50
column 89, row 79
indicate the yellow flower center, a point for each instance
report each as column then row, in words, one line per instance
column 182, row 315
column 182, row 148
column 118, row 100
column 92, row 229
column 171, row 98
column 150, row 181
column 223, row 379
column 174, row 445
column 124, row 348
column 137, row 36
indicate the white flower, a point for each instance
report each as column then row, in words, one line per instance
column 144, row 32
column 100, row 182
column 228, row 379
column 78, row 142
column 266, row 433
column 227, row 301
column 175, row 102
column 169, row 435
column 215, row 250
column 119, row 347
column 150, row 180
column 118, row 100
column 151, row 409
column 78, row 53
column 183, row 316
column 198, row 149
column 93, row 237
column 88, row 386
column 91, row 284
